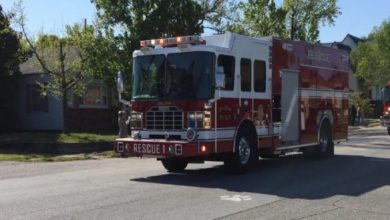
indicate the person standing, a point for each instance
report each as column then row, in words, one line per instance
column 353, row 115
column 123, row 122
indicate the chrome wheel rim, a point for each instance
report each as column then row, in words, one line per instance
column 244, row 150
column 324, row 141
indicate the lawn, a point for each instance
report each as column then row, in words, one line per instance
column 29, row 157
column 55, row 137
column 51, row 138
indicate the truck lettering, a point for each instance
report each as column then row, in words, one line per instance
column 146, row 148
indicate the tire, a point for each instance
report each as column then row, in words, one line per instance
column 245, row 154
column 174, row 165
column 325, row 146
column 388, row 130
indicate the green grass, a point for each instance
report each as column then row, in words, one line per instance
column 28, row 157
column 51, row 138
column 55, row 137
column 372, row 122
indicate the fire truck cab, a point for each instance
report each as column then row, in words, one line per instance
column 235, row 98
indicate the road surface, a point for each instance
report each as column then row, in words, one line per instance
column 355, row 184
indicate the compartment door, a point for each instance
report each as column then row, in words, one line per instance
column 290, row 107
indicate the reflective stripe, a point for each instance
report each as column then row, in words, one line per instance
column 313, row 93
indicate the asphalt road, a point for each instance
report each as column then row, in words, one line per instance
column 355, row 184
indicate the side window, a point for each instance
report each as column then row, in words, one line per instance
column 246, row 79
column 228, row 67
column 35, row 101
column 259, row 75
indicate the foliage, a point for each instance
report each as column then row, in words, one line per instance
column 85, row 52
column 71, row 62
column 98, row 51
column 296, row 19
column 371, row 59
column 156, row 18
column 139, row 19
column 135, row 20
column 12, row 50
column 359, row 100
column 261, row 18
column 304, row 17
column 56, row 58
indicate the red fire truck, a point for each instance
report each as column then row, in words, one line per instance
column 234, row 98
column 386, row 107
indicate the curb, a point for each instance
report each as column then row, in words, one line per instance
column 56, row 148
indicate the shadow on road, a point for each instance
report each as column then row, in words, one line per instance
column 291, row 177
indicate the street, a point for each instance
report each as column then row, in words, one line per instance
column 355, row 184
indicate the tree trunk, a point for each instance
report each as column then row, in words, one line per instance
column 65, row 114
column 64, row 92
column 292, row 28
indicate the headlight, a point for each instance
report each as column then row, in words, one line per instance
column 135, row 135
column 207, row 120
column 199, row 119
column 136, row 120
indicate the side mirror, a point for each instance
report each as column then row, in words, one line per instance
column 119, row 82
column 219, row 78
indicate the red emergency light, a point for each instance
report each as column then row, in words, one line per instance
column 172, row 41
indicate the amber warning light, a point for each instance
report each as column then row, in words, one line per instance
column 172, row 41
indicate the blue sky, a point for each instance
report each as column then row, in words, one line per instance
column 358, row 17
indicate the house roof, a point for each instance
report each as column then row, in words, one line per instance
column 342, row 45
column 355, row 39
column 32, row 65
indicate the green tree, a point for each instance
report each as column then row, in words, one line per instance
column 71, row 61
column 99, row 51
column 360, row 101
column 156, row 18
column 260, row 18
column 371, row 59
column 12, row 52
column 59, row 58
column 140, row 19
column 304, row 17
column 136, row 20
column 295, row 19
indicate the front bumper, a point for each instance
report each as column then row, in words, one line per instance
column 385, row 120
column 160, row 148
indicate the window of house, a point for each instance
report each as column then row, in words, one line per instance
column 95, row 96
column 35, row 101
column 228, row 67
column 259, row 75
column 246, row 79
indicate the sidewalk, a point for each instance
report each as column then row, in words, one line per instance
column 356, row 130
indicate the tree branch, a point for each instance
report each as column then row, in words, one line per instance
column 21, row 22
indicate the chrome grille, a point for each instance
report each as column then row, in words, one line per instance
column 164, row 118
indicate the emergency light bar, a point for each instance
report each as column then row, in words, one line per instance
column 172, row 41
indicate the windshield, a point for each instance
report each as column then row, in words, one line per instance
column 179, row 76
column 147, row 70
column 386, row 94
